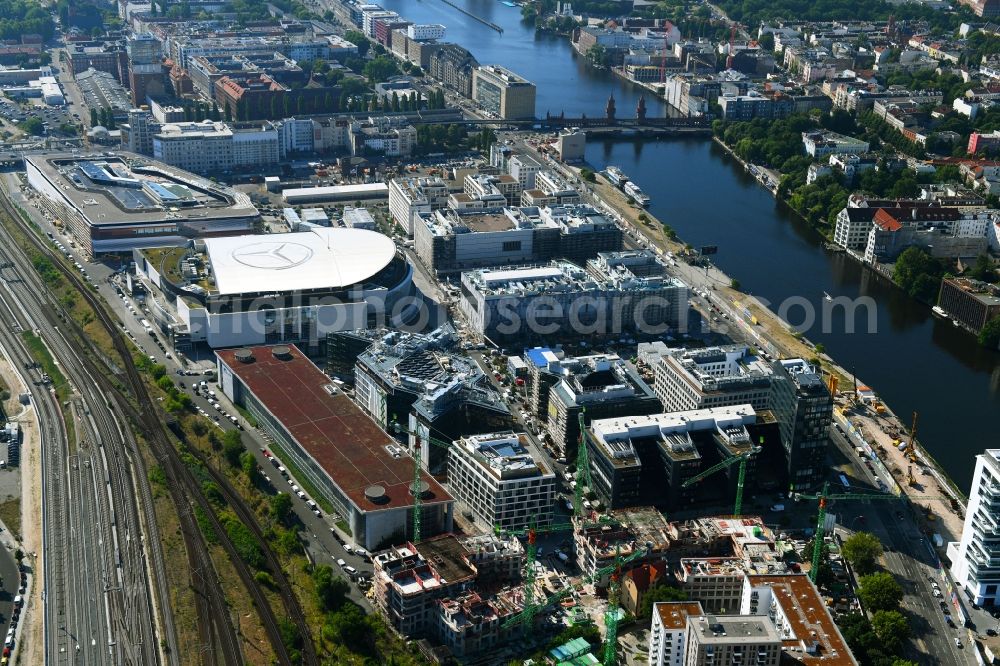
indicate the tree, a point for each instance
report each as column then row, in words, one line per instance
column 862, row 549
column 983, row 269
column 215, row 111
column 281, row 507
column 232, row 447
column 227, row 113
column 395, row 101
column 358, row 39
column 94, row 121
column 380, row 68
column 249, row 465
column 918, row 273
column 276, row 107
column 331, row 590
column 989, row 337
column 658, row 593
column 879, row 592
column 588, row 175
column 891, row 628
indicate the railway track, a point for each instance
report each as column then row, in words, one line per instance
column 145, row 412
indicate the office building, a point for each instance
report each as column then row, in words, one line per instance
column 146, row 74
column 561, row 299
column 354, row 464
column 975, row 558
column 598, row 386
column 712, row 377
column 410, row 196
column 820, row 144
column 450, row 241
column 731, row 639
column 571, row 145
column 358, row 218
column 389, row 135
column 971, row 303
column 215, row 147
column 293, row 287
column 398, row 367
column 500, row 482
column 668, row 629
column 115, row 204
column 503, row 93
column 645, row 460
column 804, row 408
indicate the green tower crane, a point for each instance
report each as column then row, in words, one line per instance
column 527, row 613
column 732, row 460
column 417, row 486
column 824, row 498
column 582, row 469
column 530, row 607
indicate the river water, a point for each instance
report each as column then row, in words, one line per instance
column 912, row 359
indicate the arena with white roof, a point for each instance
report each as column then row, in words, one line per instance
column 270, row 288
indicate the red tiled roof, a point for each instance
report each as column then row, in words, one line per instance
column 886, row 221
column 344, row 441
column 644, row 576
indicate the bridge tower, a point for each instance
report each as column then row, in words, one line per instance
column 640, row 109
column 609, row 110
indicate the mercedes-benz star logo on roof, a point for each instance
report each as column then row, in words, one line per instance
column 273, row 255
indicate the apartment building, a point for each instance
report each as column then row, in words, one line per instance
column 215, row 147
column 668, row 630
column 731, row 639
column 975, row 557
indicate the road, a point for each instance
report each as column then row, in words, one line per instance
column 98, row 601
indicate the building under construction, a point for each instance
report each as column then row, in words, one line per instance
column 455, row 591
column 620, row 534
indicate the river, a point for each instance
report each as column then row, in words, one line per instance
column 912, row 359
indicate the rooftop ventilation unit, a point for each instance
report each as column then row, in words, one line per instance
column 244, row 356
column 282, row 352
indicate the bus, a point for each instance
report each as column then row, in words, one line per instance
column 146, row 326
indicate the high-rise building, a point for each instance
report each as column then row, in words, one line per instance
column 139, row 133
column 975, row 559
column 145, row 57
column 804, row 408
column 503, row 93
column 500, row 482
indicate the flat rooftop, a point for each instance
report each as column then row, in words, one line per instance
column 674, row 614
column 122, row 188
column 750, row 629
column 349, row 446
column 322, row 258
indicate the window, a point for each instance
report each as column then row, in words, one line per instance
column 512, row 246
